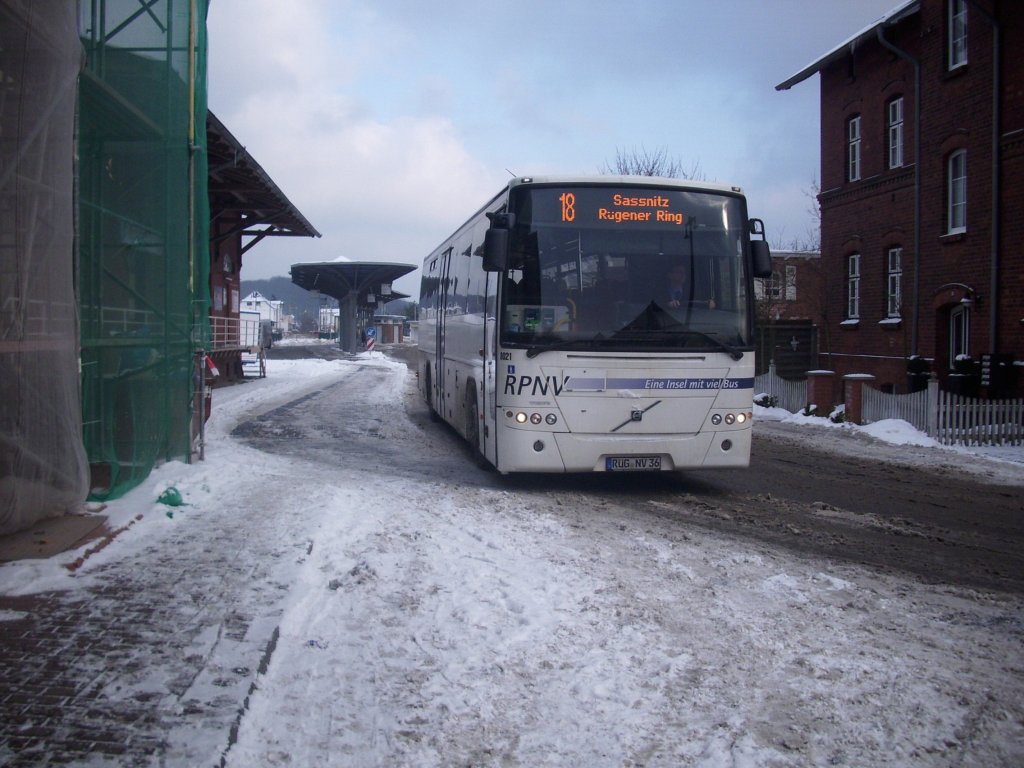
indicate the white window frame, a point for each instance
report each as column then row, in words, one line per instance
column 894, row 282
column 790, row 282
column 956, row 192
column 956, row 41
column 853, row 148
column 959, row 333
column 853, row 287
column 896, row 132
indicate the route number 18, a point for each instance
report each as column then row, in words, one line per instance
column 568, row 200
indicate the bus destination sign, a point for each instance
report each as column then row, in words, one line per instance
column 605, row 206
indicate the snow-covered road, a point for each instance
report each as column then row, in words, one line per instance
column 404, row 618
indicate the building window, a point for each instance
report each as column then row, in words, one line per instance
column 959, row 334
column 790, row 282
column 957, row 26
column 895, row 281
column 895, row 123
column 853, row 287
column 853, row 148
column 956, row 208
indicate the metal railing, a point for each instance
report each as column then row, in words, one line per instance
column 234, row 333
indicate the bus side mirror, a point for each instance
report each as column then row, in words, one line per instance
column 495, row 250
column 496, row 242
column 761, row 258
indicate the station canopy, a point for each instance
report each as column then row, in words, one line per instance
column 239, row 186
column 350, row 280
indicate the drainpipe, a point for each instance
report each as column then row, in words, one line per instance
column 916, row 312
column 993, row 310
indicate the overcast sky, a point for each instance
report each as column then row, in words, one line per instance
column 389, row 122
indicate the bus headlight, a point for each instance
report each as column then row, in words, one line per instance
column 731, row 419
column 533, row 418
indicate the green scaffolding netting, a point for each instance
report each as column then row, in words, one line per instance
column 104, row 246
column 143, row 225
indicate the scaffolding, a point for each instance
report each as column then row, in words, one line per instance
column 142, row 233
column 105, row 245
column 43, row 468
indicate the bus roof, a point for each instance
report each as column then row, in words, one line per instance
column 647, row 181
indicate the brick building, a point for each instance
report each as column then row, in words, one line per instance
column 922, row 202
column 790, row 313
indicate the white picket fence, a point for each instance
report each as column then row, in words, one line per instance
column 973, row 421
column 946, row 417
column 913, row 407
column 949, row 418
column 791, row 395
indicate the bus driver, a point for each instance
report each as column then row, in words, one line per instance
column 679, row 291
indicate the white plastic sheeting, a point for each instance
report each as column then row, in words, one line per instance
column 43, row 466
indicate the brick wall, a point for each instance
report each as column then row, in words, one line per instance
column 875, row 213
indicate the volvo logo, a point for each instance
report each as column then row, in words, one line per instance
column 636, row 414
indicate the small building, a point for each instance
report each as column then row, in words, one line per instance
column 390, row 328
column 268, row 309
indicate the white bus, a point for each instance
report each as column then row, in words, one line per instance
column 596, row 324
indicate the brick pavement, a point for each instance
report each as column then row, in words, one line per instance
column 151, row 660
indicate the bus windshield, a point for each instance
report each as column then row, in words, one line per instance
column 624, row 267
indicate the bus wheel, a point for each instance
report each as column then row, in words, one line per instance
column 473, row 431
column 473, row 423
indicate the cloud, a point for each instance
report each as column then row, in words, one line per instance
column 377, row 188
column 389, row 123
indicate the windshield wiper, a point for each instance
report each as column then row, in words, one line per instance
column 564, row 344
column 725, row 346
column 635, row 334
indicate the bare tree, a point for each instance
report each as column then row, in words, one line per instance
column 643, row 162
column 813, row 195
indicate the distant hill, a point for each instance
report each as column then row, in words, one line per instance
column 299, row 302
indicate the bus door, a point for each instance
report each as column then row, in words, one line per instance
column 489, row 407
column 443, row 313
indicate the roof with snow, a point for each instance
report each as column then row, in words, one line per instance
column 848, row 46
column 338, row 279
